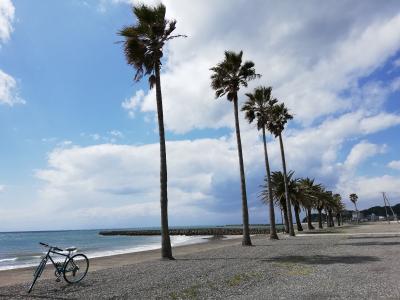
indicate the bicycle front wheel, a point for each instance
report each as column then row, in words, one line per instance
column 37, row 273
column 76, row 268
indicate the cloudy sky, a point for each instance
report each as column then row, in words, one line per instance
column 79, row 138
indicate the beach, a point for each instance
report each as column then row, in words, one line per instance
column 354, row 261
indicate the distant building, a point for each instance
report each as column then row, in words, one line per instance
column 354, row 216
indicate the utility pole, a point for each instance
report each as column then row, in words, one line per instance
column 384, row 203
column 386, row 200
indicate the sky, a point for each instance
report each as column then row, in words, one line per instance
column 80, row 138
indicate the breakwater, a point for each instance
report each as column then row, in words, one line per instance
column 188, row 231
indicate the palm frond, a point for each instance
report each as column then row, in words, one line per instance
column 144, row 42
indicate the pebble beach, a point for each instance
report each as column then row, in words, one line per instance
column 350, row 262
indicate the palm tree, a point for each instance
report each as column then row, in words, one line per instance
column 227, row 78
column 257, row 108
column 298, row 200
column 143, row 47
column 320, row 203
column 279, row 192
column 279, row 117
column 308, row 189
column 329, row 207
column 338, row 208
column 354, row 198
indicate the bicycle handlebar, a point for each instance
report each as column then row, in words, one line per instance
column 51, row 247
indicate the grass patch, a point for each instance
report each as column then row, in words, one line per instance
column 189, row 293
column 243, row 277
column 294, row 269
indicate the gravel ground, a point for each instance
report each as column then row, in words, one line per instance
column 305, row 267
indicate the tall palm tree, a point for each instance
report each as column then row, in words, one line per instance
column 227, row 78
column 257, row 108
column 143, row 47
column 354, row 198
column 279, row 117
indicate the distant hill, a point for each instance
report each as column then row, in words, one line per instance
column 377, row 210
column 380, row 210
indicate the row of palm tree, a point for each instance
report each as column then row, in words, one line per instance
column 305, row 194
column 143, row 49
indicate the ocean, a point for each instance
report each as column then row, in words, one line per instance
column 22, row 249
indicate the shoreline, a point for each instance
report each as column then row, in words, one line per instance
column 25, row 274
column 104, row 252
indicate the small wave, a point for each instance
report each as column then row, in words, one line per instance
column 8, row 259
column 175, row 241
column 33, row 260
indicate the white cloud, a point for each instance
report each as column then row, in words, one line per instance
column 369, row 189
column 8, row 85
column 133, row 103
column 379, row 122
column 394, row 164
column 121, row 181
column 8, row 90
column 2, row 187
column 111, row 136
column 7, row 12
column 116, row 133
column 361, row 151
column 95, row 136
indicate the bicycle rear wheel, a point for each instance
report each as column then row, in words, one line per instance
column 76, row 268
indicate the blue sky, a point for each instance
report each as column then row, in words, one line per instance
column 80, row 141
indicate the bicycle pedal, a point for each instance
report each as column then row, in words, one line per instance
column 58, row 279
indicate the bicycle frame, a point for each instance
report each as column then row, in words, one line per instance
column 56, row 266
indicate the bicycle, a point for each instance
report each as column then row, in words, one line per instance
column 73, row 269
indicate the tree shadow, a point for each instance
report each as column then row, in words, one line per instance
column 323, row 259
column 219, row 258
column 27, row 296
column 372, row 237
column 373, row 244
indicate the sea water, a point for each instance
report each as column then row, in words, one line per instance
column 22, row 249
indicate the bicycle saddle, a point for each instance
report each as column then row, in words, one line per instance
column 70, row 249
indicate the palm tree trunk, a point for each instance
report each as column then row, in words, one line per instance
column 289, row 206
column 355, row 204
column 297, row 216
column 272, row 230
column 326, row 218
column 320, row 218
column 309, row 220
column 330, row 217
column 285, row 218
column 166, row 251
column 338, row 219
column 245, row 213
column 284, row 222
